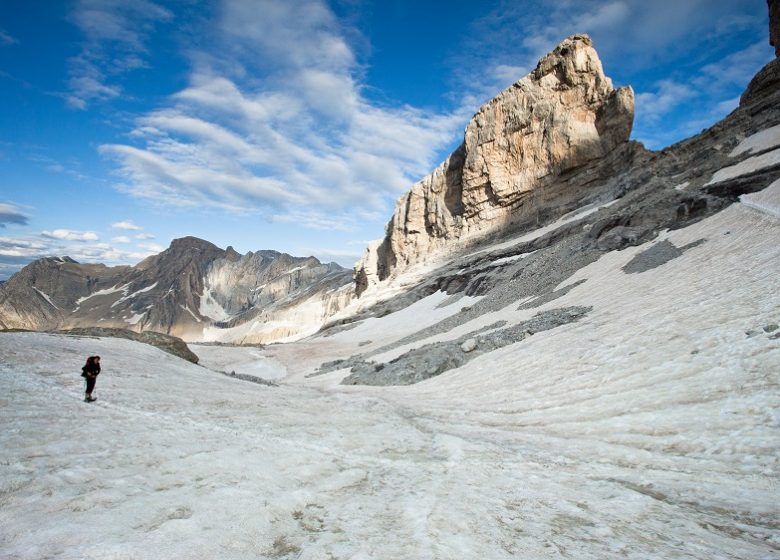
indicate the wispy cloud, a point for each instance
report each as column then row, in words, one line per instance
column 707, row 95
column 144, row 236
column 668, row 96
column 151, row 248
column 17, row 252
column 274, row 121
column 121, row 239
column 12, row 214
column 667, row 49
column 126, row 225
column 70, row 235
column 7, row 39
column 115, row 33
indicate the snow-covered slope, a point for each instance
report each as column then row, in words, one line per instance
column 648, row 429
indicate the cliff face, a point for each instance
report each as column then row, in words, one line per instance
column 193, row 290
column 562, row 116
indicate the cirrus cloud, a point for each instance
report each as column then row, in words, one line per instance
column 275, row 122
column 12, row 214
column 70, row 235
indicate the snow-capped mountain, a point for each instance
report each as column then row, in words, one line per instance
column 193, row 290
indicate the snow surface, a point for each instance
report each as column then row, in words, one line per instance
column 763, row 140
column 239, row 359
column 746, row 166
column 135, row 318
column 209, row 307
column 649, row 429
column 188, row 310
column 46, row 297
column 106, row 292
column 131, row 296
column 767, row 200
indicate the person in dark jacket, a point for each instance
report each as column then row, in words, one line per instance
column 90, row 372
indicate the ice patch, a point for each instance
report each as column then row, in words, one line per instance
column 188, row 310
column 131, row 296
column 209, row 307
column 766, row 200
column 747, row 166
column 768, row 138
column 106, row 292
column 46, row 297
column 135, row 318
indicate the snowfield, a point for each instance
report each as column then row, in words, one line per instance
column 648, row 429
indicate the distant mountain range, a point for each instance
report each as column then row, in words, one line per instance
column 193, row 290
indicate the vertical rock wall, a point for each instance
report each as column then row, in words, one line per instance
column 563, row 115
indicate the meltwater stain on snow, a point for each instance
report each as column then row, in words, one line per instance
column 658, row 254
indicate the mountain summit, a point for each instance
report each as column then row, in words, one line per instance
column 564, row 117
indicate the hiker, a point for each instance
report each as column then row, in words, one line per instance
column 90, row 372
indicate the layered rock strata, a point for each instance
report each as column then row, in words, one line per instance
column 562, row 116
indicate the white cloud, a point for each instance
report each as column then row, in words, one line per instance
column 114, row 33
column 668, row 49
column 126, row 225
column 121, row 239
column 151, row 247
column 668, row 96
column 22, row 247
column 7, row 38
column 11, row 214
column 144, row 236
column 298, row 142
column 70, row 235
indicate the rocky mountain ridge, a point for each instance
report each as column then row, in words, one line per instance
column 521, row 152
column 193, row 290
column 627, row 198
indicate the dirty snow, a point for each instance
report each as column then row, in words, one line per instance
column 135, row 318
column 240, row 359
column 650, row 429
column 767, row 200
column 744, row 167
column 209, row 307
column 131, row 296
column 763, row 140
column 46, row 297
column 106, row 292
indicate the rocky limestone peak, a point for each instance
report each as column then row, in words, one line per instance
column 231, row 254
column 190, row 243
column 565, row 115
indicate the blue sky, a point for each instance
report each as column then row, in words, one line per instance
column 295, row 125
